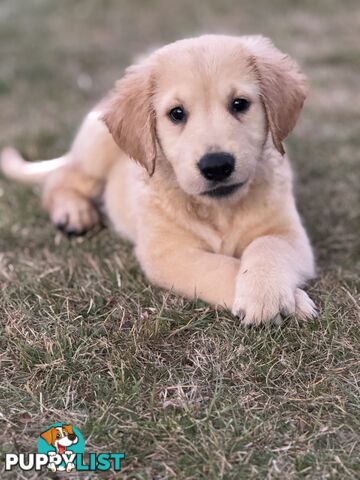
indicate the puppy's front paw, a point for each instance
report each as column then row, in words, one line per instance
column 74, row 214
column 258, row 302
column 305, row 308
column 52, row 467
column 70, row 467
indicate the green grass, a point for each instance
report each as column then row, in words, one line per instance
column 182, row 388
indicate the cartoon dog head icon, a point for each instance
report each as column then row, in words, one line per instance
column 60, row 437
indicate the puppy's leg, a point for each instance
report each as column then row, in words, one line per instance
column 172, row 260
column 67, row 196
column 51, row 465
column 69, row 191
column 272, row 269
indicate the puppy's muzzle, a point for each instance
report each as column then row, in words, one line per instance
column 216, row 167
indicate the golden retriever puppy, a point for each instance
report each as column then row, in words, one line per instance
column 208, row 201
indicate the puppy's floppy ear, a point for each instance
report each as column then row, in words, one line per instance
column 283, row 87
column 130, row 117
column 68, row 428
column 49, row 436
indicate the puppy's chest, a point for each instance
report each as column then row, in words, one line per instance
column 228, row 245
column 224, row 237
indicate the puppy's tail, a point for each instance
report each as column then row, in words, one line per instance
column 14, row 166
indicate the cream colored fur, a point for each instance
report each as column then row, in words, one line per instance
column 249, row 251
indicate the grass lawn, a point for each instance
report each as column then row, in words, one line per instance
column 182, row 388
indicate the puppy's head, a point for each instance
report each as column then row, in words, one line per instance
column 205, row 107
column 60, row 436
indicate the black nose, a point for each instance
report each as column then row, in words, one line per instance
column 72, row 436
column 216, row 166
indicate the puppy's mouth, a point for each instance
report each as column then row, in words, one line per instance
column 223, row 190
column 61, row 449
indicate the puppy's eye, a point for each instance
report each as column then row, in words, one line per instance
column 240, row 105
column 177, row 115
